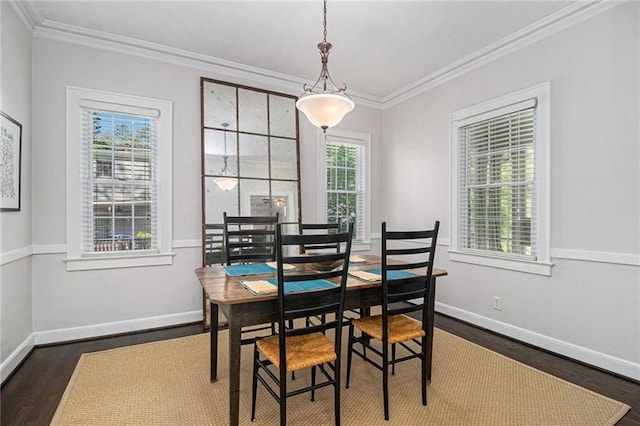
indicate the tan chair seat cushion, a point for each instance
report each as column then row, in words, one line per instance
column 303, row 351
column 401, row 327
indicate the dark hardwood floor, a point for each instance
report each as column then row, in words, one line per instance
column 31, row 395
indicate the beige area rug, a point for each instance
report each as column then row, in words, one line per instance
column 167, row 383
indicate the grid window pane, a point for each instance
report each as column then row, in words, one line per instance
column 122, row 153
column 345, row 185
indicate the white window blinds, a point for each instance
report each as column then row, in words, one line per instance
column 497, row 184
column 345, row 177
column 119, row 166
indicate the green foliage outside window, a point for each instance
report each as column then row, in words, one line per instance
column 342, row 184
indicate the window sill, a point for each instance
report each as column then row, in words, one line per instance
column 118, row 261
column 537, row 268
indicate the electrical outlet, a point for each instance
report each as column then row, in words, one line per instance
column 497, row 303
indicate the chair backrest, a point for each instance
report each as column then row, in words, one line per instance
column 302, row 304
column 410, row 250
column 318, row 228
column 249, row 239
column 214, row 252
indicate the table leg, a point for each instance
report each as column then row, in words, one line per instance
column 430, row 324
column 234, row 364
column 213, row 327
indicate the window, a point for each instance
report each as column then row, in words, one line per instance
column 119, row 180
column 500, row 176
column 345, row 197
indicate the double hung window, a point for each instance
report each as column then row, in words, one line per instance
column 120, row 199
column 500, row 174
column 346, row 170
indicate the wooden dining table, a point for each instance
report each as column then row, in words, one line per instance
column 241, row 308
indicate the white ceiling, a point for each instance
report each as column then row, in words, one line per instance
column 379, row 48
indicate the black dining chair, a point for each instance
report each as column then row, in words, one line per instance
column 404, row 290
column 250, row 239
column 302, row 294
column 318, row 228
column 214, row 251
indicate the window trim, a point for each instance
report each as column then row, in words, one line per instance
column 77, row 98
column 356, row 138
column 483, row 111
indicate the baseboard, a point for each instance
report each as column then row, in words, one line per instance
column 14, row 360
column 106, row 329
column 579, row 353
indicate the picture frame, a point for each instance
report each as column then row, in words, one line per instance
column 10, row 163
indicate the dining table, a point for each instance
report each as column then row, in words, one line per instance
column 241, row 308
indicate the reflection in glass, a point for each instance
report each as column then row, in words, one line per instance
column 227, row 180
column 284, row 159
column 214, row 152
column 219, row 104
column 286, row 194
column 218, row 201
column 252, row 111
column 254, row 156
column 250, row 190
column 282, row 116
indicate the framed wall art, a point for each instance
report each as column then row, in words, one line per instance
column 10, row 161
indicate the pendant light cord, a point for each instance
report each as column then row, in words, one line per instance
column 324, row 24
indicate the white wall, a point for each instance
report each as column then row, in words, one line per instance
column 588, row 310
column 15, row 227
column 77, row 304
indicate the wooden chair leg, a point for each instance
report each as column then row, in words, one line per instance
column 393, row 359
column 423, row 358
column 293, row 373
column 313, row 383
column 349, row 353
column 283, row 396
column 336, row 391
column 385, row 379
column 254, row 389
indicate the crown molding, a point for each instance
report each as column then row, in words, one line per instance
column 28, row 12
column 564, row 18
column 107, row 41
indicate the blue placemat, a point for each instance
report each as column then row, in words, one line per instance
column 248, row 269
column 393, row 275
column 303, row 285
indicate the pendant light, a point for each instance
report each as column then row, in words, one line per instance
column 327, row 108
column 226, row 182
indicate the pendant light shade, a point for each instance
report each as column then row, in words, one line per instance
column 325, row 110
column 225, row 181
column 226, row 184
column 328, row 107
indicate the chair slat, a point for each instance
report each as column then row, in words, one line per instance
column 413, row 250
column 408, row 265
column 410, row 235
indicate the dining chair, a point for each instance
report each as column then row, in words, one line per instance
column 400, row 283
column 315, row 228
column 302, row 294
column 214, row 251
column 250, row 239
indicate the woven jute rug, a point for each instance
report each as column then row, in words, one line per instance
column 167, row 383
